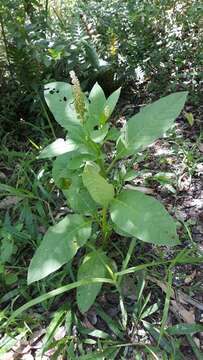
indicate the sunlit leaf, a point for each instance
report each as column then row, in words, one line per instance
column 60, row 100
column 97, row 102
column 149, row 124
column 143, row 217
column 59, row 245
column 100, row 190
column 58, row 147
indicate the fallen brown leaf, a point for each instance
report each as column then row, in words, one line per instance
column 9, row 201
column 179, row 310
column 162, row 285
column 190, row 277
column 200, row 146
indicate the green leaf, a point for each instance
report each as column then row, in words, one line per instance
column 183, row 329
column 97, row 102
column 60, row 100
column 100, row 190
column 155, row 333
column 7, row 250
column 7, row 342
column 99, row 135
column 143, row 217
column 113, row 325
column 164, row 177
column 79, row 198
column 65, row 166
column 91, row 54
column 100, row 355
column 111, row 103
column 58, row 147
column 61, row 173
column 149, row 124
column 57, row 320
column 190, row 118
column 195, row 349
column 59, row 245
column 93, row 265
column 119, row 231
column 113, row 134
column 56, row 292
column 11, row 279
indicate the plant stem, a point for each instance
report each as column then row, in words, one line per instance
column 111, row 165
column 127, row 258
column 104, row 227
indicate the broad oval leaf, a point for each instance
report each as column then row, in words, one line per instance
column 100, row 190
column 59, row 245
column 149, row 124
column 58, row 147
column 79, row 198
column 97, row 98
column 60, row 100
column 92, row 266
column 66, row 165
column 143, row 217
column 60, row 171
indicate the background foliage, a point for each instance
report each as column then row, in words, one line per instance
column 156, row 45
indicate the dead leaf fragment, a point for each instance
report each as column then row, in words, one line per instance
column 200, row 146
column 143, row 189
column 180, row 311
column 190, row 277
column 9, row 201
column 162, row 285
column 2, row 176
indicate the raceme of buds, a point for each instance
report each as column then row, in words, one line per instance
column 79, row 97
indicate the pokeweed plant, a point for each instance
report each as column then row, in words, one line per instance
column 95, row 187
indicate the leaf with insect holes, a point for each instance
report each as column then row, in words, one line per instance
column 100, row 190
column 93, row 265
column 143, row 217
column 149, row 124
column 60, row 100
column 59, row 245
column 99, row 135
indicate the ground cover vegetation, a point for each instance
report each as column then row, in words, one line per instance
column 101, row 196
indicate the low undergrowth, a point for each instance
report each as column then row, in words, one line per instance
column 120, row 290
